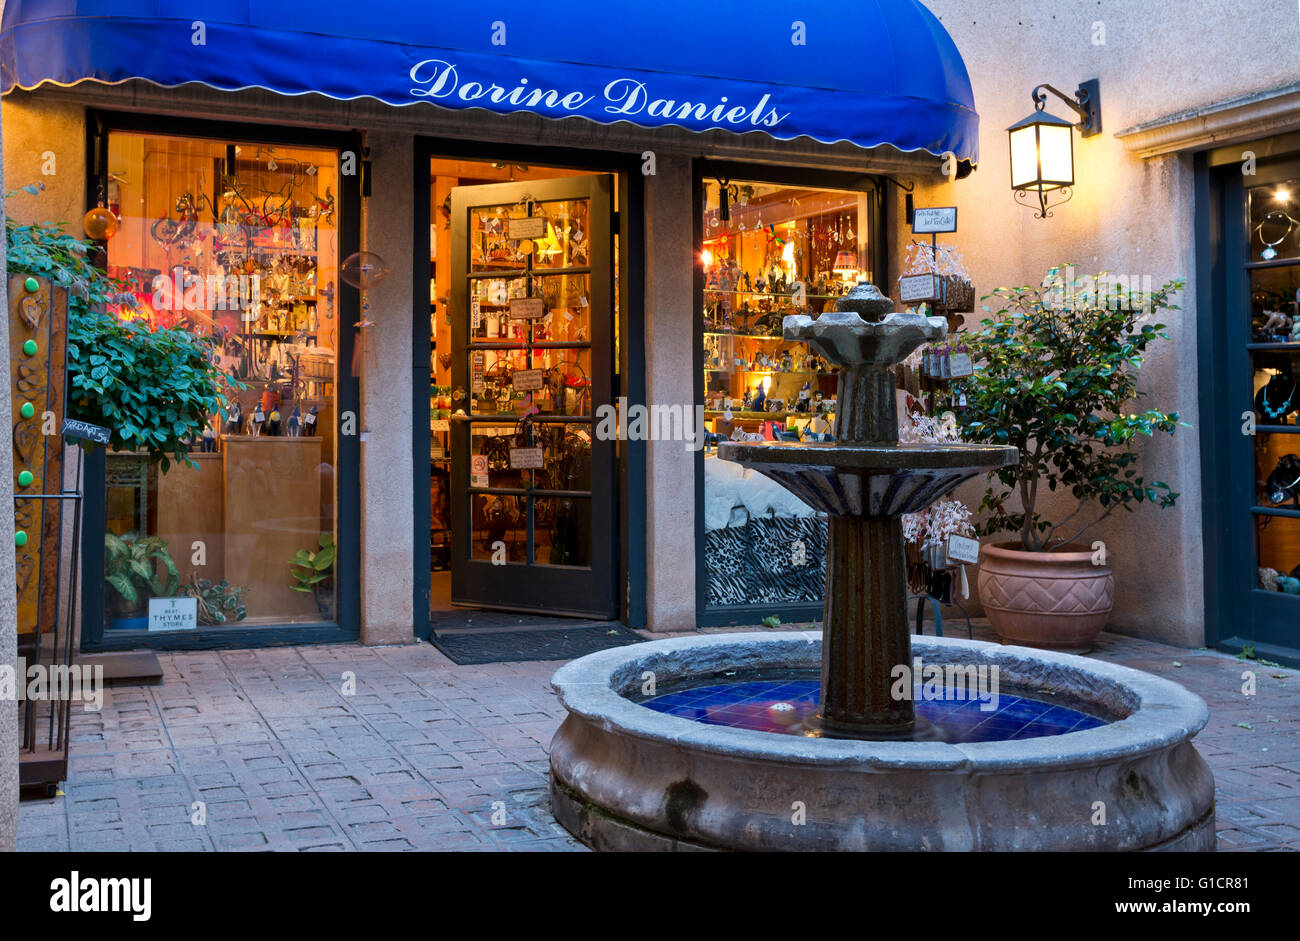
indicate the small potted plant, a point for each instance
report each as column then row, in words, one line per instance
column 131, row 571
column 313, row 572
column 1056, row 376
column 218, row 603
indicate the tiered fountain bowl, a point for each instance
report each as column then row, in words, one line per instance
column 844, row 739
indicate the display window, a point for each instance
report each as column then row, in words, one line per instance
column 1275, row 356
column 770, row 251
column 237, row 242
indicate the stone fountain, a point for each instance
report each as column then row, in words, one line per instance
column 737, row 742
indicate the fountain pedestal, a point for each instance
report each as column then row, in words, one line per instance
column 864, row 482
column 865, row 631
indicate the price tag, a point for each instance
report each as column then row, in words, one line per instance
column 527, row 380
column 963, row 549
column 259, row 415
column 309, row 418
column 526, row 459
column 527, row 308
column 533, row 227
column 478, row 470
column 173, row 614
column 918, row 287
column 86, row 431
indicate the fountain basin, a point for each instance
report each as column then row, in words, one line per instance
column 626, row 777
column 866, row 479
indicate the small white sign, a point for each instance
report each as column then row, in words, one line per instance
column 961, row 366
column 938, row 219
column 963, row 549
column 526, row 459
column 527, row 380
column 527, row 308
column 478, row 470
column 918, row 287
column 534, row 227
column 173, row 614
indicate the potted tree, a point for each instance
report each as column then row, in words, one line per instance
column 1056, row 376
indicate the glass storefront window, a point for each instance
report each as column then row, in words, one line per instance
column 770, row 252
column 245, row 253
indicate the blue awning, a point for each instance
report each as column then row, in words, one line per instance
column 869, row 72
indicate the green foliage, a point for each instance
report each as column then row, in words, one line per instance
column 1059, row 381
column 311, row 568
column 154, row 389
column 219, row 603
column 131, row 563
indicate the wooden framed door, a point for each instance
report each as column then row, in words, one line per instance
column 532, row 305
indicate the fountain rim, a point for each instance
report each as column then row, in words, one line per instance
column 1164, row 712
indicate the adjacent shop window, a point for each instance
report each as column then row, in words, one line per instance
column 1275, row 354
column 238, row 242
column 770, row 251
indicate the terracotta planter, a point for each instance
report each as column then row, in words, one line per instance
column 1057, row 600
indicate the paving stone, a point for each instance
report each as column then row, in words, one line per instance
column 416, row 756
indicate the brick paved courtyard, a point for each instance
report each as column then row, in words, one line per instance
column 428, row 755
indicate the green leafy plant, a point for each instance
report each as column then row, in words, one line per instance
column 152, row 388
column 1056, row 376
column 131, row 567
column 218, row 603
column 309, row 568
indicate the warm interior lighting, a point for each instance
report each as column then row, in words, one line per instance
column 706, row 256
column 846, row 264
column 1282, row 195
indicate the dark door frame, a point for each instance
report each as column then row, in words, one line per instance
column 702, row 170
column 1234, row 612
column 347, row 392
column 629, row 379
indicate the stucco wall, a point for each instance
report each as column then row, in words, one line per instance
column 1128, row 215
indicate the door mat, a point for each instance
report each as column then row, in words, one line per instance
column 467, row 648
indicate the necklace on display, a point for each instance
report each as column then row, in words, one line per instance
column 1270, row 251
column 1285, row 407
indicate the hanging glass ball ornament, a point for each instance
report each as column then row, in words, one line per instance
column 100, row 224
column 364, row 270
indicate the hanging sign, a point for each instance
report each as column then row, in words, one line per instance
column 963, row 549
column 914, row 288
column 85, row 431
column 961, row 365
column 534, row 227
column 526, row 459
column 173, row 614
column 527, row 308
column 938, row 219
column 527, row 380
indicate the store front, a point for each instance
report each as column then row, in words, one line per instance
column 460, row 433
column 1250, row 237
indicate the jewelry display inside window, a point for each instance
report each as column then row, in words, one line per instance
column 236, row 243
column 1274, row 346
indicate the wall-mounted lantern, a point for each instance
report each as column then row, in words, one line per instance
column 1042, row 146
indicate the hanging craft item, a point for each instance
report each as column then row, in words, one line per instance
column 100, row 223
column 170, row 232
